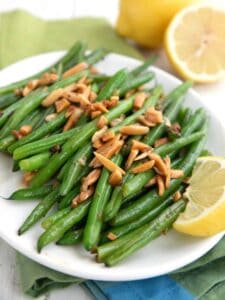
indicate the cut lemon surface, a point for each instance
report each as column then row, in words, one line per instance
column 195, row 43
column 205, row 211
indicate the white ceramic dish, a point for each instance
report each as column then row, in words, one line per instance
column 163, row 255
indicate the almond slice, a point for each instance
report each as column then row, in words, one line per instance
column 62, row 104
column 151, row 182
column 143, row 155
column 177, row 196
column 132, row 155
column 115, row 178
column 77, row 68
column 139, row 100
column 175, row 174
column 161, row 142
column 25, row 129
column 160, row 183
column 107, row 136
column 95, row 114
column 90, row 179
column 111, row 236
column 145, row 122
column 50, row 117
column 108, row 164
column 154, row 116
column 102, row 122
column 143, row 167
column 52, row 98
column 18, row 135
column 140, row 146
column 134, row 130
column 159, row 163
column 99, row 134
column 73, row 119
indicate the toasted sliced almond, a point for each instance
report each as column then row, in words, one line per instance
column 151, row 182
column 143, row 155
column 108, row 164
column 175, row 174
column 111, row 236
column 160, row 183
column 177, row 196
column 168, row 176
column 93, row 70
column 90, row 179
column 153, row 115
column 52, row 98
column 73, row 119
column 47, row 78
column 62, row 104
column 77, row 68
column 107, row 136
column 27, row 177
column 129, row 93
column 99, row 134
column 95, row 114
column 99, row 106
column 132, row 155
column 145, row 122
column 143, row 167
column 86, row 194
column 92, row 96
column 140, row 100
column 140, row 146
column 112, row 102
column 134, row 129
column 161, row 142
column 116, row 121
column 17, row 134
column 25, row 129
column 50, row 117
column 33, row 84
column 159, row 163
column 102, row 122
column 115, row 178
column 97, row 144
column 75, row 201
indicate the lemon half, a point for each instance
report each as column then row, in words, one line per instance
column 205, row 212
column 195, row 43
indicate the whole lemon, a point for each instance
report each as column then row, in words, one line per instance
column 145, row 21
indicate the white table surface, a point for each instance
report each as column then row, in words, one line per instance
column 214, row 96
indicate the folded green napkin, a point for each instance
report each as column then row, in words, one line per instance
column 23, row 35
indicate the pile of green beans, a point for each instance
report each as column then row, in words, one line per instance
column 116, row 221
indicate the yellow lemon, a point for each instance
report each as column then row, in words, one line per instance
column 145, row 21
column 195, row 43
column 205, row 211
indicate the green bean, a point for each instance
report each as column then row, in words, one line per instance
column 195, row 121
column 15, row 167
column 58, row 229
column 112, row 85
column 135, row 82
column 147, row 63
column 8, row 99
column 8, row 112
column 44, row 113
column 95, row 56
column 57, row 160
column 33, row 100
column 149, row 216
column 151, row 199
column 177, row 93
column 34, row 162
column 45, row 144
column 94, row 222
column 66, row 200
column 206, row 152
column 136, row 183
column 42, row 131
column 39, row 211
column 95, row 87
column 75, row 168
column 71, row 237
column 46, row 223
column 31, row 194
column 81, row 53
column 146, row 233
column 66, row 58
column 7, row 141
column 184, row 116
column 114, row 204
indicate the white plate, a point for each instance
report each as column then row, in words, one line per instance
column 161, row 256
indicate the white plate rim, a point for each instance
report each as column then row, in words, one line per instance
column 118, row 277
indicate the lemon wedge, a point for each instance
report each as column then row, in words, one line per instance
column 205, row 211
column 195, row 43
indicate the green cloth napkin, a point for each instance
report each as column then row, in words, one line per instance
column 23, row 35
